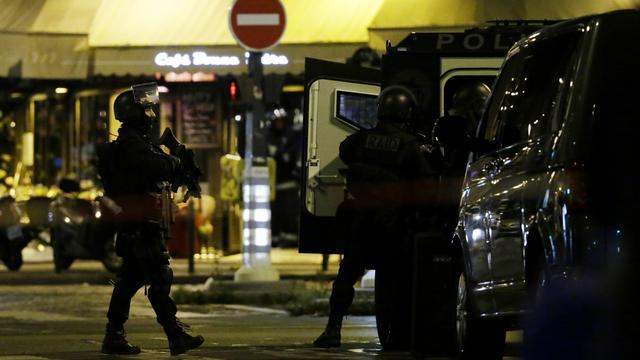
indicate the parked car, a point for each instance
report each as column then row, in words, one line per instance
column 557, row 196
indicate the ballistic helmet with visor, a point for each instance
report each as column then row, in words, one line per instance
column 131, row 103
column 471, row 98
column 396, row 103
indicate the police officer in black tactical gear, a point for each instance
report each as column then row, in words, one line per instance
column 455, row 132
column 134, row 173
column 389, row 175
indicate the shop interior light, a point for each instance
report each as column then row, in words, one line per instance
column 233, row 91
column 293, row 88
column 15, row 95
column 61, row 90
column 163, row 89
column 202, row 76
column 175, row 77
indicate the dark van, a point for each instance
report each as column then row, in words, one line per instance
column 559, row 195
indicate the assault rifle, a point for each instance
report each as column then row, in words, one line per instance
column 190, row 171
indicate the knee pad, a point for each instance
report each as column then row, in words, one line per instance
column 161, row 281
column 166, row 274
column 343, row 288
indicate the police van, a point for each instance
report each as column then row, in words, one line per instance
column 341, row 99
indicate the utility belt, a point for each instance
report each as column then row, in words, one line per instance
column 148, row 207
column 145, row 223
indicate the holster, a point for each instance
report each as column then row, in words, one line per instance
column 167, row 207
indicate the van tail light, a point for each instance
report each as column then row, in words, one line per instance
column 577, row 187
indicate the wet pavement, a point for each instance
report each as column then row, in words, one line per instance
column 67, row 322
column 44, row 315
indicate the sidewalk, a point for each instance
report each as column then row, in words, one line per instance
column 288, row 262
column 38, row 269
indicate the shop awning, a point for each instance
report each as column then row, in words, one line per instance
column 392, row 22
column 43, row 56
column 45, row 39
column 47, row 16
column 145, row 29
column 204, row 22
column 50, row 38
column 565, row 9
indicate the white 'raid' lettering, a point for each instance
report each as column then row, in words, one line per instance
column 382, row 143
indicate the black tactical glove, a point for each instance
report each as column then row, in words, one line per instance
column 177, row 178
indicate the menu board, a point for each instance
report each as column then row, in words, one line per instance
column 199, row 124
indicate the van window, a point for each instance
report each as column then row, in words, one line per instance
column 500, row 90
column 532, row 99
column 357, row 109
column 456, row 82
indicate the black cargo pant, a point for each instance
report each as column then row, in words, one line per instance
column 369, row 243
column 146, row 262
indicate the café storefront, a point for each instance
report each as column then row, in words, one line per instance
column 200, row 88
column 59, row 78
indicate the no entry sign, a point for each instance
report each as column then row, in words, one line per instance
column 257, row 24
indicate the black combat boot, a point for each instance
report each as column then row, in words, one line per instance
column 115, row 342
column 330, row 337
column 179, row 340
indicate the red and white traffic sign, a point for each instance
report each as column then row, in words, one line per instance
column 257, row 25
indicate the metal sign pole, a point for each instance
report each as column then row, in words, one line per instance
column 256, row 214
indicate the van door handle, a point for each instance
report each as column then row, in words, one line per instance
column 329, row 179
column 325, row 180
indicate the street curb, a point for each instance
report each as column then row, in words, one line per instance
column 104, row 278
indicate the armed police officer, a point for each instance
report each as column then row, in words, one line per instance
column 455, row 132
column 135, row 172
column 388, row 176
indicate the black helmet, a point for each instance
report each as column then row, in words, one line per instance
column 396, row 103
column 471, row 97
column 131, row 103
column 365, row 57
column 125, row 108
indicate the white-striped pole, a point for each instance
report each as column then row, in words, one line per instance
column 256, row 215
column 256, row 232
